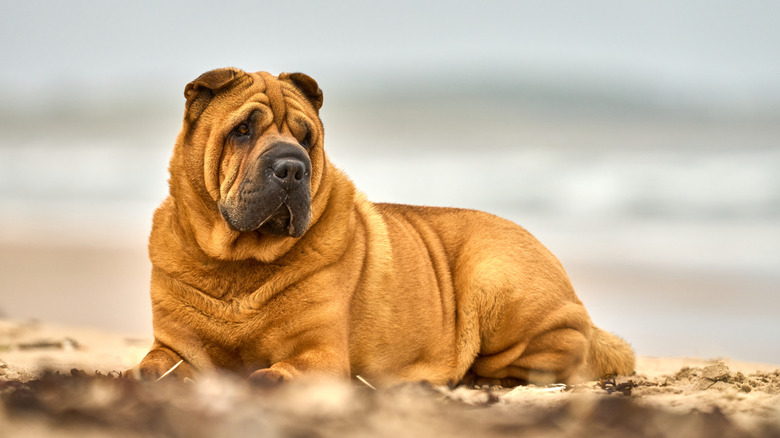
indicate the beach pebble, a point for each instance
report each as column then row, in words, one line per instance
column 716, row 372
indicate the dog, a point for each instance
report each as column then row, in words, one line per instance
column 268, row 263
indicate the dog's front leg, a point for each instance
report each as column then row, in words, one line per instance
column 161, row 361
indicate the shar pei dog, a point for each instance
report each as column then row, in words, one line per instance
column 267, row 262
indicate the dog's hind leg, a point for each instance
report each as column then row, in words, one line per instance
column 554, row 350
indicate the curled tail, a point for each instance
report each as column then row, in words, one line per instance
column 609, row 355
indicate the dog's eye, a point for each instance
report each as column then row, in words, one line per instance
column 242, row 129
column 306, row 142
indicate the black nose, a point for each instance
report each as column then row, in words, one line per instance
column 289, row 169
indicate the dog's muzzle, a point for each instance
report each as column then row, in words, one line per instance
column 274, row 196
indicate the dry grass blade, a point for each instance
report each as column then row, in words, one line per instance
column 170, row 370
column 365, row 382
column 554, row 388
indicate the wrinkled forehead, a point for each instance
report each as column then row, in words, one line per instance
column 272, row 88
column 254, row 91
column 257, row 88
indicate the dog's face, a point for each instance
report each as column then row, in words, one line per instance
column 258, row 139
column 265, row 175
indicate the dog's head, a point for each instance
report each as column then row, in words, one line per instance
column 252, row 148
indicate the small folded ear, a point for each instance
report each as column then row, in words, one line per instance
column 200, row 91
column 307, row 85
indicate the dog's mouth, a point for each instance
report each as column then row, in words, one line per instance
column 282, row 222
column 289, row 215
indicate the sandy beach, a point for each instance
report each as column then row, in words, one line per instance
column 64, row 381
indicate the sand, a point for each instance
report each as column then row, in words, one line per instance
column 65, row 381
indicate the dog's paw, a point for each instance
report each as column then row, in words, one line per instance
column 269, row 377
column 158, row 364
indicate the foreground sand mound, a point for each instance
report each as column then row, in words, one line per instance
column 78, row 404
column 66, row 382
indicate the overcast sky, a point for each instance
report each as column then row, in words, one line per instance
column 696, row 46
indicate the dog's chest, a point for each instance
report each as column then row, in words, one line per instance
column 243, row 322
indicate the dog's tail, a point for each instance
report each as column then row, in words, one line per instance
column 609, row 355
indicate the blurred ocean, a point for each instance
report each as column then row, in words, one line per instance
column 642, row 175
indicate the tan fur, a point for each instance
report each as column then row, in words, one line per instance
column 388, row 292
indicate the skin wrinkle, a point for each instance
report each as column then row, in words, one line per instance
column 204, row 304
column 422, row 232
column 226, row 181
column 434, row 247
column 275, row 96
column 431, row 239
column 243, row 113
column 218, row 135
